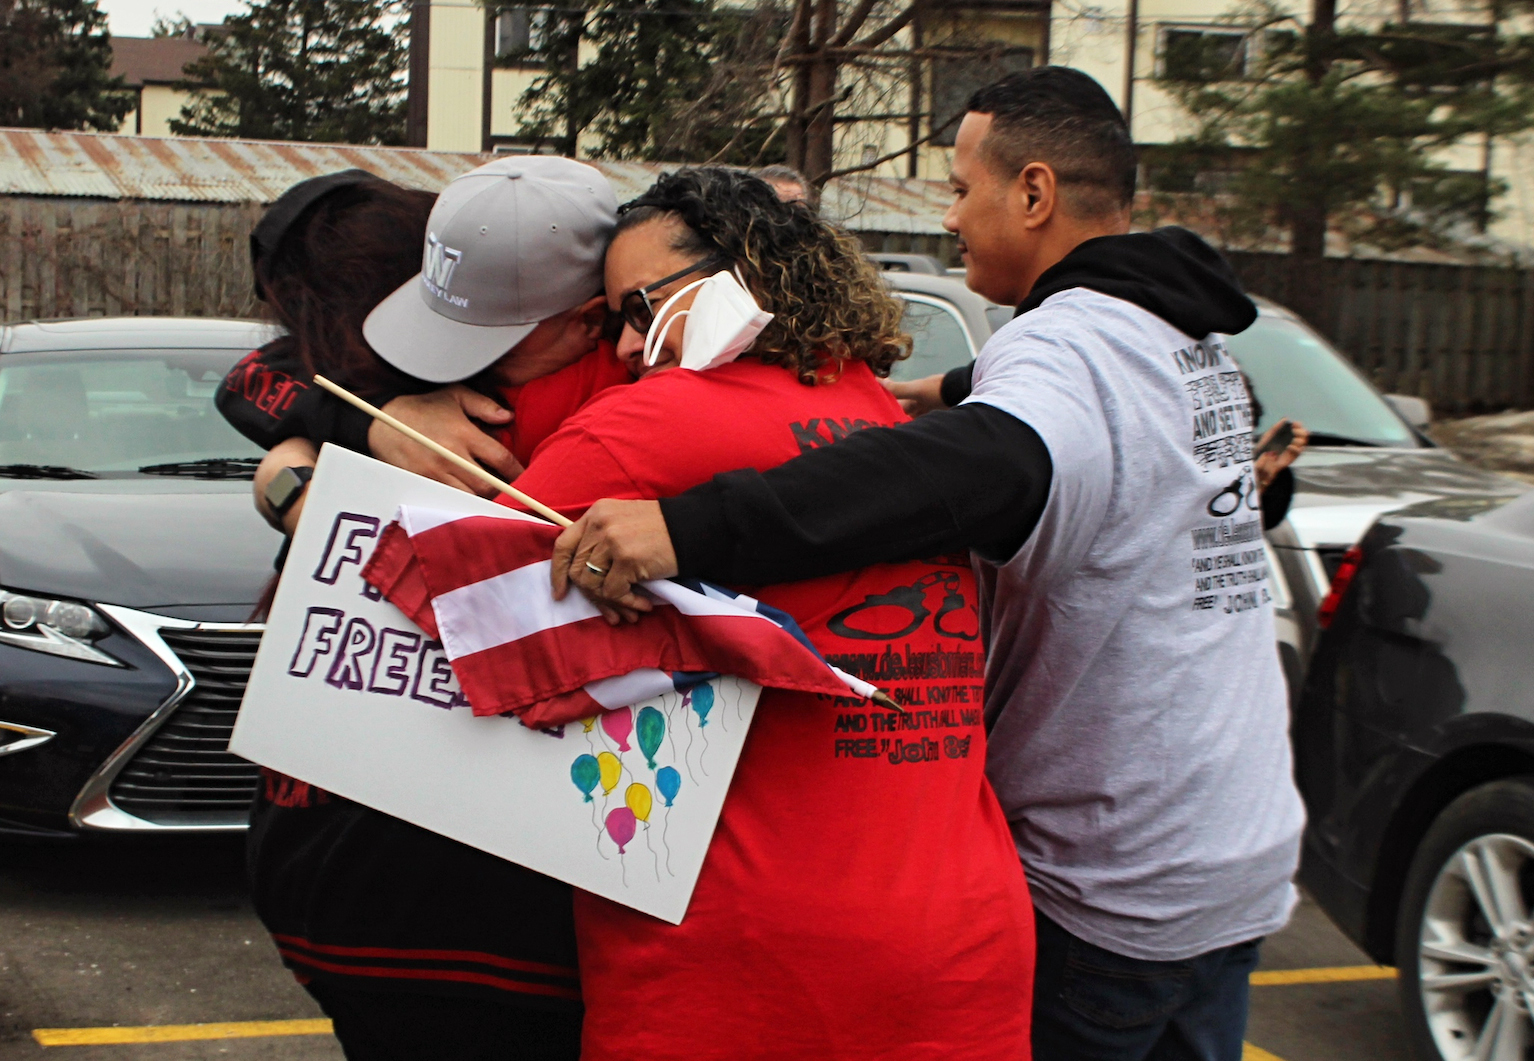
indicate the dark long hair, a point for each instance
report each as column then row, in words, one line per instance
column 826, row 295
column 341, row 258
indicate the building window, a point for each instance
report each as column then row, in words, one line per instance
column 954, row 81
column 521, row 31
column 1203, row 54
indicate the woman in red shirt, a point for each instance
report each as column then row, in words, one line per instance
column 861, row 897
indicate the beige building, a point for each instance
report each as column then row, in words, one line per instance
column 152, row 67
column 1127, row 45
column 473, row 104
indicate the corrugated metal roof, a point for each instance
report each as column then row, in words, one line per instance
column 186, row 169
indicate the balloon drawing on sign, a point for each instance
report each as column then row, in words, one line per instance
column 620, row 826
column 618, row 725
column 668, row 782
column 652, row 728
column 586, row 772
column 638, row 799
column 587, row 723
column 611, row 768
column 703, row 702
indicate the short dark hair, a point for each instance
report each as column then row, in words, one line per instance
column 1063, row 118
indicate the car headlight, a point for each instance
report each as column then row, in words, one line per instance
column 57, row 627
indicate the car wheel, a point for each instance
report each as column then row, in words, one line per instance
column 1464, row 937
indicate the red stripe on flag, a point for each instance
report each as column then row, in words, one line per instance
column 559, row 710
column 514, row 676
column 476, row 548
column 394, row 570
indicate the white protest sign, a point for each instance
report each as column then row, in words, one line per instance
column 349, row 695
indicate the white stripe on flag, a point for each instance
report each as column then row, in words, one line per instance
column 505, row 608
column 634, row 687
column 417, row 520
column 691, row 602
column 713, row 592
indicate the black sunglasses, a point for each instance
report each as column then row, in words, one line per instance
column 635, row 306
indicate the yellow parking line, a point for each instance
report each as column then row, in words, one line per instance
column 255, row 1029
column 1337, row 975
column 175, row 1033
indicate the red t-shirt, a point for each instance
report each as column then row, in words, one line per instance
column 543, row 404
column 861, row 897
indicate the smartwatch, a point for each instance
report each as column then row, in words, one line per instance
column 286, row 487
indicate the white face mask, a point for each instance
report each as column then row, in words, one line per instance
column 725, row 322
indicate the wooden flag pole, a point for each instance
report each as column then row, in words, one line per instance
column 446, row 454
column 879, row 695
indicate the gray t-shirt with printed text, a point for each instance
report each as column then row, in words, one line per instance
column 1139, row 723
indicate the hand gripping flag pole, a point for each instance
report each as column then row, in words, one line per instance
column 446, row 454
column 863, row 688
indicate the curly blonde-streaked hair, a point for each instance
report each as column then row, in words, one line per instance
column 828, row 301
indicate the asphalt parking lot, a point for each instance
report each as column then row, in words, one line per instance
column 135, row 941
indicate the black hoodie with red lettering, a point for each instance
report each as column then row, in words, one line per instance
column 354, row 897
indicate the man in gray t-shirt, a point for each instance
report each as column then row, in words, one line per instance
column 1098, row 461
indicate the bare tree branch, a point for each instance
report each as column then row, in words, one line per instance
column 912, row 146
column 854, row 22
column 893, row 26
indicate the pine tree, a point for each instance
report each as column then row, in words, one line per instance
column 1346, row 127
column 318, row 70
column 55, row 63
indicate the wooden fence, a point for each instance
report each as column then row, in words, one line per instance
column 1460, row 336
column 65, row 257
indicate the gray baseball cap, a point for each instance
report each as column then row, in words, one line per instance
column 509, row 244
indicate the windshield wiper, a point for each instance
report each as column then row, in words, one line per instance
column 43, row 471
column 1321, row 438
column 208, row 468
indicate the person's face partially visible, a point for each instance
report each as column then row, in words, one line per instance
column 988, row 215
column 636, row 259
column 556, row 342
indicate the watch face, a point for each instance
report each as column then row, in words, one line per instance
column 283, row 488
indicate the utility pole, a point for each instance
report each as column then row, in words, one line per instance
column 1307, row 222
column 420, row 73
column 1131, row 42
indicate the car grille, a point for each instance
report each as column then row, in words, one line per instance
column 184, row 774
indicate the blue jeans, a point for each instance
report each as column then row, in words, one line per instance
column 1090, row 1004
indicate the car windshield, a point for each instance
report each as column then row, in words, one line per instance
column 1296, row 374
column 105, row 412
column 938, row 342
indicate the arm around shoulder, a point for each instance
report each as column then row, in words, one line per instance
column 974, row 477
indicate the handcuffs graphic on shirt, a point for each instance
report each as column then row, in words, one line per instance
column 1242, row 488
column 913, row 599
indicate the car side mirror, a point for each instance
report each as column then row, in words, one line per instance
column 1415, row 411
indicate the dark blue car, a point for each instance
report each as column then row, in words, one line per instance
column 130, row 560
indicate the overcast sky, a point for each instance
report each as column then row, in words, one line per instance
column 132, row 18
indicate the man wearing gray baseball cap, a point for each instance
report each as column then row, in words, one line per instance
column 511, row 248
column 509, row 293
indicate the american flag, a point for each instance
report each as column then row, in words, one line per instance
column 480, row 584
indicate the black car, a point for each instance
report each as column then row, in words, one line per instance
column 1414, row 744
column 130, row 560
